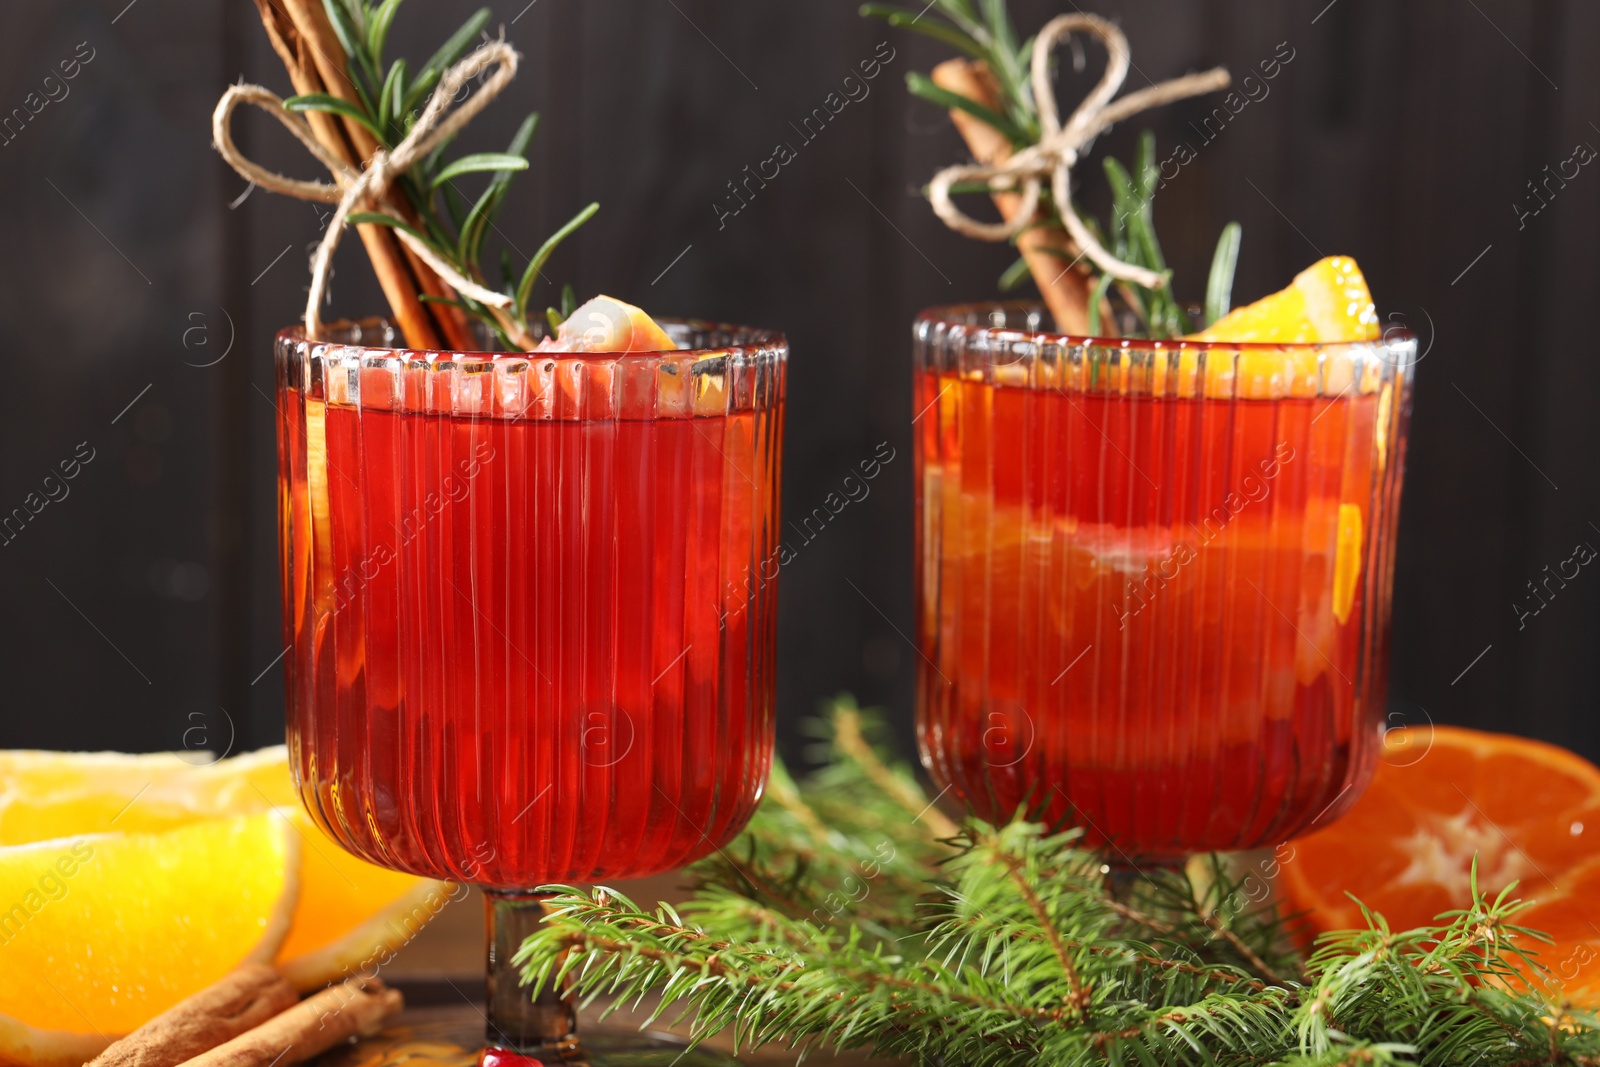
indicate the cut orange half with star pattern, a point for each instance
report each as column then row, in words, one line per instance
column 1528, row 812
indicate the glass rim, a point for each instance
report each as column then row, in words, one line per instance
column 755, row 342
column 959, row 316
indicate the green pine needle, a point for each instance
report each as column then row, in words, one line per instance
column 839, row 919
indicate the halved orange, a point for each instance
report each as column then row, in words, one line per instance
column 101, row 932
column 1528, row 811
column 351, row 914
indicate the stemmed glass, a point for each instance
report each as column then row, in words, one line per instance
column 1154, row 578
column 525, row 648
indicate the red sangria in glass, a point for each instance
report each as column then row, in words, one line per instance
column 1154, row 577
column 523, row 647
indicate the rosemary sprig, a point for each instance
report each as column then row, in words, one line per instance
column 389, row 99
column 983, row 31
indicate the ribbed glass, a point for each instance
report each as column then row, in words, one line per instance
column 1154, row 578
column 525, row 642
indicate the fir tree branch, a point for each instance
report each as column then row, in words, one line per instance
column 1078, row 998
column 1011, row 951
column 853, row 743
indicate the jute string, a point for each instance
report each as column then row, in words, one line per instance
column 1059, row 146
column 351, row 189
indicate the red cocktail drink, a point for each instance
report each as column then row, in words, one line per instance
column 515, row 659
column 525, row 646
column 1154, row 593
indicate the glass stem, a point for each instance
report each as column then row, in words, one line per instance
column 517, row 1021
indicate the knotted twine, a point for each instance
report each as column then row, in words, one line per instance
column 1059, row 146
column 353, row 188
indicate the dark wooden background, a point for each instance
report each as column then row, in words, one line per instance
column 141, row 610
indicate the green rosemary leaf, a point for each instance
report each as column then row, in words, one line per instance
column 508, row 269
column 1125, row 204
column 477, row 222
column 478, row 162
column 998, row 19
column 378, row 28
column 346, row 20
column 554, row 318
column 923, row 86
column 452, row 50
column 524, row 135
column 344, row 27
column 960, row 11
column 1137, row 216
column 422, row 204
column 1145, row 172
column 1005, row 61
column 1219, row 285
column 390, row 98
column 902, row 19
column 470, row 243
column 529, row 276
column 569, row 301
column 332, row 104
column 452, row 205
column 1102, row 286
column 1014, row 275
column 378, row 218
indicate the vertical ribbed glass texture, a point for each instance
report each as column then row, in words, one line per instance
column 1154, row 579
column 529, row 637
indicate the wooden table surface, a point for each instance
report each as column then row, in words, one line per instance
column 441, row 973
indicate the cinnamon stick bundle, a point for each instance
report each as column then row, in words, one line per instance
column 1048, row 250
column 304, row 40
column 357, row 1007
column 239, row 1002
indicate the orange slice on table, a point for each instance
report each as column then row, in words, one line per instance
column 103, row 931
column 350, row 914
column 1529, row 812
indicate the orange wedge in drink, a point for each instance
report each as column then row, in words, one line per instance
column 1327, row 304
column 1328, row 301
column 606, row 324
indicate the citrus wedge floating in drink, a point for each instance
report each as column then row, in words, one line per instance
column 1529, row 812
column 103, row 931
column 1328, row 301
column 1327, row 305
column 606, row 324
column 349, row 914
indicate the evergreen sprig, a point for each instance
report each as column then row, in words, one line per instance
column 983, row 31
column 843, row 917
column 389, row 99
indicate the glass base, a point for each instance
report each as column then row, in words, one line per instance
column 455, row 1039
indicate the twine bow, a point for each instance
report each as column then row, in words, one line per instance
column 351, row 188
column 1059, row 146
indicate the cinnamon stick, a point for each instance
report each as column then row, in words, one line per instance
column 242, row 1000
column 1048, row 250
column 358, row 1007
column 305, row 42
